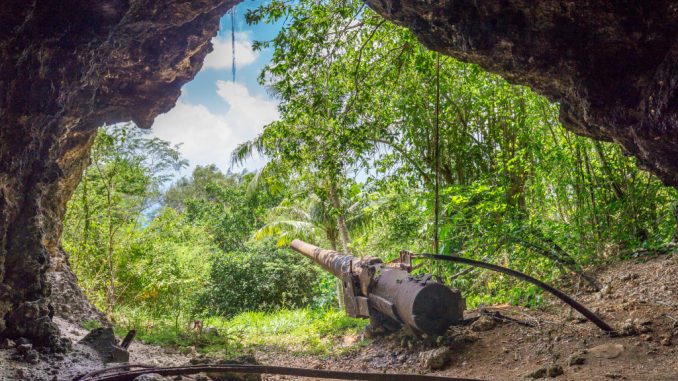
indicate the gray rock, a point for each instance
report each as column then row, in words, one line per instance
column 7, row 344
column 551, row 371
column 26, row 353
column 435, row 358
column 31, row 357
column 607, row 351
column 22, row 340
column 576, row 359
column 554, row 371
column 24, row 348
column 104, row 342
column 539, row 373
column 484, row 323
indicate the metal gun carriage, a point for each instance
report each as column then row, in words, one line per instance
column 388, row 293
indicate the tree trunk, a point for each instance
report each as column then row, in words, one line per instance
column 341, row 222
column 331, row 235
column 110, row 288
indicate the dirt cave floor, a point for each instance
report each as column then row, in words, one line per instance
column 639, row 297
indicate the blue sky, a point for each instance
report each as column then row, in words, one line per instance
column 213, row 114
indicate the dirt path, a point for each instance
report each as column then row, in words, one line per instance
column 640, row 297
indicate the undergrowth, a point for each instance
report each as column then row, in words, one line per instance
column 297, row 331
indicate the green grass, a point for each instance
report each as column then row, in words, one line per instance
column 300, row 331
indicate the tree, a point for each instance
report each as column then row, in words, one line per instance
column 361, row 95
column 122, row 183
column 222, row 204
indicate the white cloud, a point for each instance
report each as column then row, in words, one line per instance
column 221, row 58
column 209, row 138
column 248, row 113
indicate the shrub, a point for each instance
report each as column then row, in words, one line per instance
column 260, row 277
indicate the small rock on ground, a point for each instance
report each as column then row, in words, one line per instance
column 484, row 323
column 576, row 359
column 554, row 371
column 665, row 340
column 435, row 358
column 607, row 351
column 7, row 344
column 551, row 371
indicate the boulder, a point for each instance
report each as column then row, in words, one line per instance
column 104, row 342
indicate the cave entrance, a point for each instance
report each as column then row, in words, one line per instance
column 517, row 186
column 504, row 156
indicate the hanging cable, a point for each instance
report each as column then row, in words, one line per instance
column 233, row 41
column 436, row 159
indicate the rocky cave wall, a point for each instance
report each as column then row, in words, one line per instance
column 612, row 65
column 67, row 67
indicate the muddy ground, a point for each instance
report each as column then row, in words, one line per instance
column 640, row 297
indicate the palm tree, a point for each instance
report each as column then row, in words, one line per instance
column 308, row 219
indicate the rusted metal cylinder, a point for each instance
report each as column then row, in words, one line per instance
column 330, row 260
column 419, row 302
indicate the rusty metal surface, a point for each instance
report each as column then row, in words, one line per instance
column 128, row 339
column 424, row 305
column 329, row 260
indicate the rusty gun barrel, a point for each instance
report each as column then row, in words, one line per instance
column 330, row 260
column 384, row 293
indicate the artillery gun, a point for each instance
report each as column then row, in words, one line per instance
column 387, row 292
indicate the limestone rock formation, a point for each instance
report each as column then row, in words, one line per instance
column 67, row 67
column 612, row 65
column 67, row 299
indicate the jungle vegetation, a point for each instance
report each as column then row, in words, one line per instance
column 381, row 143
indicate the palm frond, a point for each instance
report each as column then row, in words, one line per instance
column 245, row 150
column 294, row 211
column 287, row 230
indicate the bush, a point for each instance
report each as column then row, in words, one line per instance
column 260, row 277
